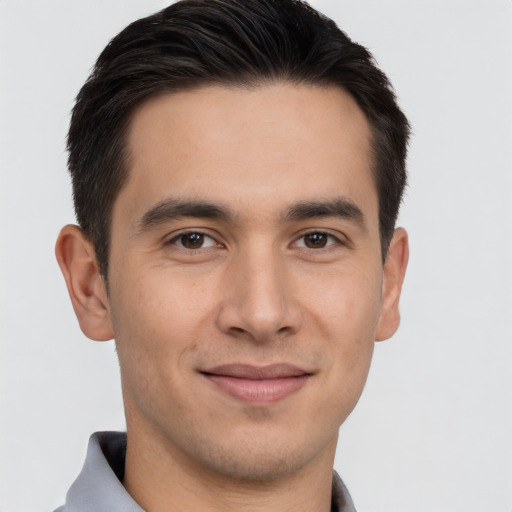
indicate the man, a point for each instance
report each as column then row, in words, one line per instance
column 237, row 170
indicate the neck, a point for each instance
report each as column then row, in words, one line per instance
column 161, row 479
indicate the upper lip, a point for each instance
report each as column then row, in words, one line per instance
column 251, row 372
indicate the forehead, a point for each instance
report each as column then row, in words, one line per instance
column 271, row 144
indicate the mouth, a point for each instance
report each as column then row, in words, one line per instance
column 257, row 384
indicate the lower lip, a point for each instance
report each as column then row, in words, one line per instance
column 258, row 390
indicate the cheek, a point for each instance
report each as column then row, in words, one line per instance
column 157, row 327
column 347, row 314
column 157, row 323
column 345, row 303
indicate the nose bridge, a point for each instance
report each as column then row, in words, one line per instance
column 257, row 301
column 264, row 280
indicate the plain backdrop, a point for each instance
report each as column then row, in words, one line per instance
column 432, row 432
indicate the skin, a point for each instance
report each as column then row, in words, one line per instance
column 256, row 288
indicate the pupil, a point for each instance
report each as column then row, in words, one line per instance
column 314, row 240
column 193, row 240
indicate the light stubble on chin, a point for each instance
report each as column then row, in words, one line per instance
column 259, row 461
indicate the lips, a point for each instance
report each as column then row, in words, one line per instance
column 254, row 384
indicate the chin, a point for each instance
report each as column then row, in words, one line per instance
column 246, row 465
column 257, row 458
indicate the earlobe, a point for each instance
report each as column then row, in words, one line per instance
column 76, row 257
column 394, row 273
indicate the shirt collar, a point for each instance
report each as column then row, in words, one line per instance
column 99, row 487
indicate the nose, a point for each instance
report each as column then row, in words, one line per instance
column 258, row 302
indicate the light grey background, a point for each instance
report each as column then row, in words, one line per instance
column 432, row 432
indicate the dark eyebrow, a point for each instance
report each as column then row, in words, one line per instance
column 172, row 209
column 339, row 207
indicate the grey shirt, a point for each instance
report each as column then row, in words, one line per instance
column 99, row 488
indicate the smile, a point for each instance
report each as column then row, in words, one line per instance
column 255, row 385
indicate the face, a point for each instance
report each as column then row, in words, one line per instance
column 246, row 280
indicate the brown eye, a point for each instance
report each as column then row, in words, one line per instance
column 316, row 240
column 193, row 240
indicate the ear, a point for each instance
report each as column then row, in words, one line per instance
column 394, row 273
column 86, row 287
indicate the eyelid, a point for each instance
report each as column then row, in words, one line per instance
column 171, row 239
column 339, row 239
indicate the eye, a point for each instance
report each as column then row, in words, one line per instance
column 316, row 240
column 193, row 240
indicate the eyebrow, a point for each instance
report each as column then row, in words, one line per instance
column 173, row 209
column 338, row 207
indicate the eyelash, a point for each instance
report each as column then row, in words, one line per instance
column 335, row 241
column 180, row 236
